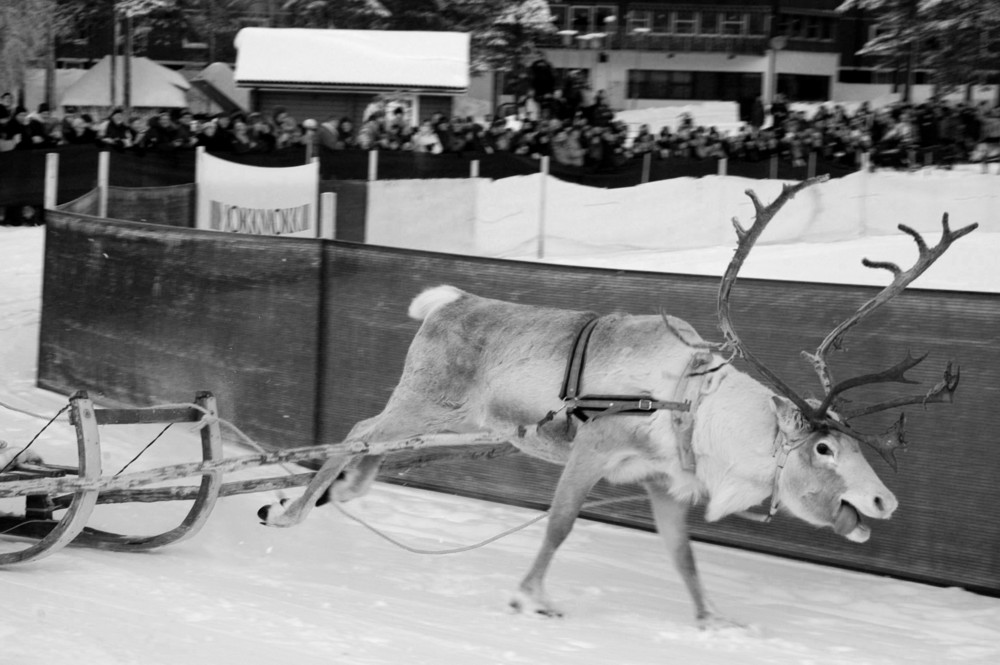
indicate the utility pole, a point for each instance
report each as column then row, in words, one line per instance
column 127, row 69
column 116, row 27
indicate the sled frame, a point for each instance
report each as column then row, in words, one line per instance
column 38, row 522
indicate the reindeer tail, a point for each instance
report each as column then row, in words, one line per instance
column 431, row 299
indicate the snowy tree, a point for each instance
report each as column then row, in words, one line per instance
column 29, row 30
column 344, row 14
column 503, row 32
column 958, row 40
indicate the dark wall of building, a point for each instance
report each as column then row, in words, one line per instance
column 351, row 105
column 316, row 105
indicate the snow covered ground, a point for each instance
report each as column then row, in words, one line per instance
column 329, row 591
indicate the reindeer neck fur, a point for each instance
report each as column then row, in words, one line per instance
column 735, row 440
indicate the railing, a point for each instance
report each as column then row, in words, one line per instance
column 735, row 44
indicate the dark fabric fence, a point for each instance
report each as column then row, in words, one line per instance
column 168, row 206
column 301, row 339
column 143, row 314
column 22, row 172
column 352, row 207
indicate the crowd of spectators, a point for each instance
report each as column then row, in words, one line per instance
column 569, row 123
column 168, row 130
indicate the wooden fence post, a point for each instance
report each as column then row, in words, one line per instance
column 51, row 180
column 103, row 169
column 543, row 181
column 328, row 215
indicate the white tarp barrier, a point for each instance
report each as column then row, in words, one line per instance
column 251, row 199
column 436, row 215
column 683, row 225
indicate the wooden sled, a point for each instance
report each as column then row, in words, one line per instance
column 77, row 490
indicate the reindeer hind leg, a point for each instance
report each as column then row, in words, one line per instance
column 287, row 513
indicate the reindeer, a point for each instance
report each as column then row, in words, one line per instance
column 720, row 436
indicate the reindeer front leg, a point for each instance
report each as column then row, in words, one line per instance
column 297, row 510
column 581, row 473
column 670, row 516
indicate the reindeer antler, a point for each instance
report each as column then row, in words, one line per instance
column 889, row 441
column 746, row 240
column 902, row 279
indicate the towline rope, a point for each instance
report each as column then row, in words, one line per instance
column 467, row 548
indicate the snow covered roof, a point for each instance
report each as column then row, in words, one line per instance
column 152, row 85
column 361, row 60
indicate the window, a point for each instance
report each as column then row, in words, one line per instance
column 710, row 23
column 605, row 18
column 732, row 23
column 826, row 29
column 790, row 25
column 580, row 19
column 812, row 27
column 661, row 21
column 804, row 87
column 639, row 18
column 758, row 23
column 685, row 22
column 660, row 84
column 591, row 18
column 560, row 17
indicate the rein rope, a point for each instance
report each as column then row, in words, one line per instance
column 482, row 543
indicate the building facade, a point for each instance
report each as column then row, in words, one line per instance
column 646, row 54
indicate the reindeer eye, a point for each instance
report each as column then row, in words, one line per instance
column 823, row 449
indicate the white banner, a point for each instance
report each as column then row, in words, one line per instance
column 251, row 199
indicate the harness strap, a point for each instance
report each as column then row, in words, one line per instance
column 689, row 390
column 591, row 407
column 574, row 368
column 783, row 448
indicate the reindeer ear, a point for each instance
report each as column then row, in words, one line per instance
column 790, row 420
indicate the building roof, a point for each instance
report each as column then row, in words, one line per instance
column 152, row 85
column 352, row 60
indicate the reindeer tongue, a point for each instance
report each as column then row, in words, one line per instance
column 848, row 524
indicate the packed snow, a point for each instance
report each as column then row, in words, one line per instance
column 329, row 591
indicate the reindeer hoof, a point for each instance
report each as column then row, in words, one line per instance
column 714, row 623
column 525, row 604
column 268, row 514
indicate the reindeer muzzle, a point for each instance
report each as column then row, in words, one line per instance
column 848, row 524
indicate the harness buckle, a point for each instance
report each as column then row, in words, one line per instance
column 645, row 404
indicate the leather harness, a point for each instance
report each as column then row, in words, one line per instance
column 591, row 407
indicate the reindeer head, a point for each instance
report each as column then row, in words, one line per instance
column 822, row 477
column 826, row 480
